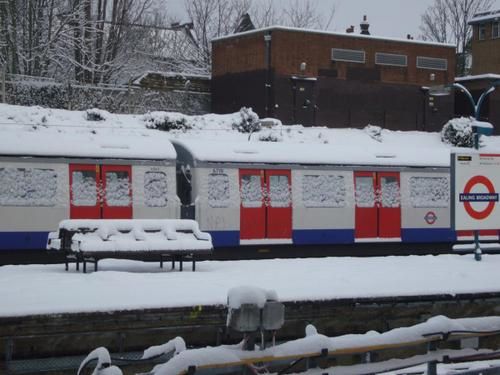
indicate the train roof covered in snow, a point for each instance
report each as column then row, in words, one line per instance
column 392, row 153
column 90, row 144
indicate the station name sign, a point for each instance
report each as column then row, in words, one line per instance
column 475, row 185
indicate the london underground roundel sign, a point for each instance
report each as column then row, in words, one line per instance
column 475, row 184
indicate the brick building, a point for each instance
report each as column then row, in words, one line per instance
column 333, row 79
column 485, row 44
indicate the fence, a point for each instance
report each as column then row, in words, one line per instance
column 32, row 91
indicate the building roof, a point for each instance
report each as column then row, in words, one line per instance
column 325, row 32
column 493, row 15
column 478, row 77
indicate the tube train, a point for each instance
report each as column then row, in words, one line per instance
column 255, row 196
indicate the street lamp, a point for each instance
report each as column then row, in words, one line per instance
column 478, row 127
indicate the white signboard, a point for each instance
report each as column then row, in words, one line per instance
column 475, row 191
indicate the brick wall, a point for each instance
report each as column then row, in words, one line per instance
column 329, row 93
column 486, row 52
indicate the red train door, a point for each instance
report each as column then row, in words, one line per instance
column 378, row 208
column 84, row 182
column 366, row 214
column 389, row 207
column 279, row 206
column 117, row 192
column 252, row 208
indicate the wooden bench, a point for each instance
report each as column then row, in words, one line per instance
column 88, row 241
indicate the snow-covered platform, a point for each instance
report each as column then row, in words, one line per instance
column 131, row 285
column 46, row 311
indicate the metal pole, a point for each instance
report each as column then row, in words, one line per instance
column 3, row 78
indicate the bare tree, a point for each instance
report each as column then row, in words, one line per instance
column 296, row 13
column 446, row 21
column 214, row 18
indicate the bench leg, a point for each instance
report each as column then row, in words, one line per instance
column 84, row 266
column 194, row 264
column 173, row 262
column 161, row 261
column 66, row 264
column 95, row 264
column 180, row 262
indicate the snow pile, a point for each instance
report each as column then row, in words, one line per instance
column 249, row 295
column 172, row 347
column 313, row 344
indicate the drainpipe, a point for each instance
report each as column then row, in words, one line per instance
column 267, row 94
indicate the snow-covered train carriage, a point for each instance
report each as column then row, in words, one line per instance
column 263, row 193
column 47, row 176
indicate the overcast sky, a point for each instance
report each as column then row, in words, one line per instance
column 395, row 18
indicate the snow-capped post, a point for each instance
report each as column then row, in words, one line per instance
column 478, row 127
column 252, row 310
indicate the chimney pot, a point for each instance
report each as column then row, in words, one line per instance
column 365, row 26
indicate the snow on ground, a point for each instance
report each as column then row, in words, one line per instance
column 49, row 125
column 123, row 284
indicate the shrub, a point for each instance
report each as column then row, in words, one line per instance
column 375, row 132
column 95, row 114
column 247, row 121
column 166, row 121
column 270, row 136
column 458, row 132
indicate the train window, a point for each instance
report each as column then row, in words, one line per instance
column 323, row 191
column 84, row 188
column 251, row 191
column 389, row 192
column 155, row 189
column 118, row 189
column 279, row 191
column 28, row 187
column 429, row 191
column 365, row 192
column 218, row 190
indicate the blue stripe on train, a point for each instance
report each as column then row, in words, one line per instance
column 421, row 235
column 323, row 236
column 23, row 240
column 225, row 238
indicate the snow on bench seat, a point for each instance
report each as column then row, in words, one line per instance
column 136, row 235
column 91, row 240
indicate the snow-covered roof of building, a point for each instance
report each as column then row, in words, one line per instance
column 326, row 32
column 35, row 131
column 485, row 16
column 489, row 76
column 364, row 152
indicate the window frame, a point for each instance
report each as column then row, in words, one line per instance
column 360, row 51
column 222, row 203
column 309, row 204
column 147, row 202
column 481, row 31
column 51, row 201
column 495, row 24
column 379, row 54
column 430, row 204
column 420, row 59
